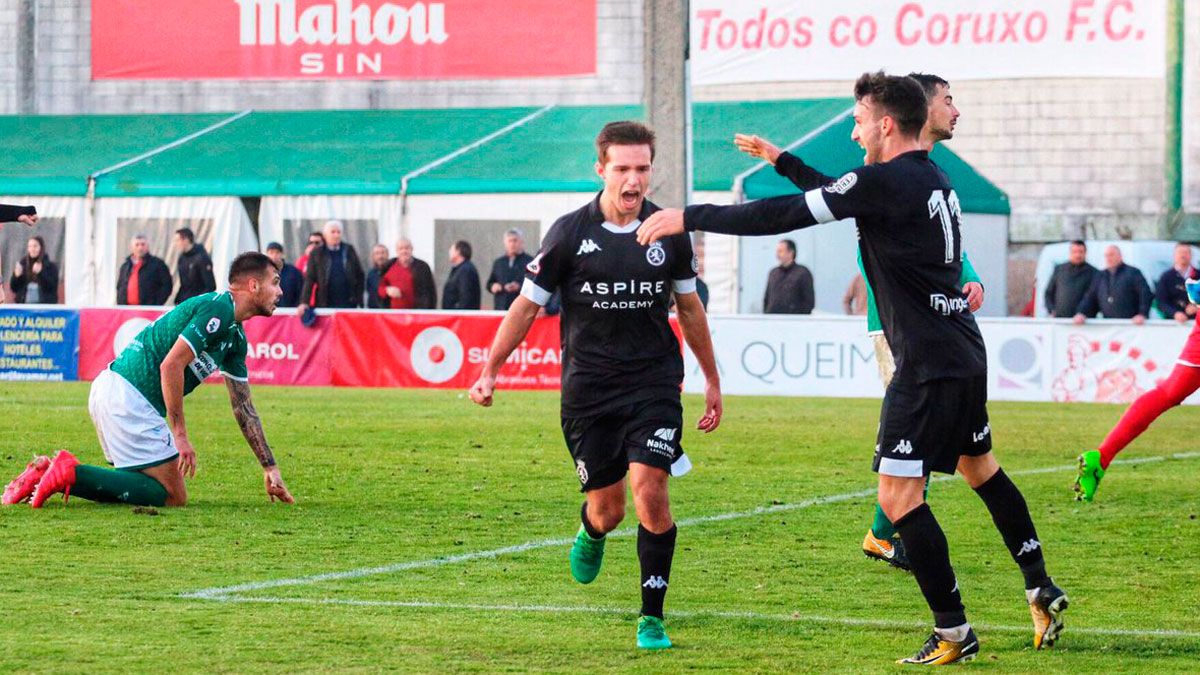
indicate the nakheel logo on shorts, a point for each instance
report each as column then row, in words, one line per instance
column 437, row 355
column 666, row 434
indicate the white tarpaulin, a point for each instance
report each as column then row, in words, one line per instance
column 797, row 40
column 220, row 224
column 1028, row 359
column 367, row 220
column 67, row 217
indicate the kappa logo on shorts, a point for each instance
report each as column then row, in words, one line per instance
column 666, row 434
column 581, row 469
column 655, row 582
column 903, row 448
column 656, row 255
column 588, row 246
column 214, row 324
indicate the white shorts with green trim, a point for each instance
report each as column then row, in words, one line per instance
column 132, row 433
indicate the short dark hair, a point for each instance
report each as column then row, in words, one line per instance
column 186, row 233
column 318, row 235
column 275, row 246
column 1079, row 242
column 250, row 264
column 900, row 98
column 624, row 132
column 790, row 244
column 464, row 248
column 929, row 82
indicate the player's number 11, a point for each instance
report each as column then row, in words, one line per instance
column 940, row 209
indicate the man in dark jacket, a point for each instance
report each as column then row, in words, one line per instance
column 1171, row 292
column 1119, row 292
column 1070, row 282
column 290, row 278
column 789, row 286
column 379, row 265
column 462, row 286
column 335, row 271
column 408, row 282
column 508, row 271
column 195, row 267
column 143, row 279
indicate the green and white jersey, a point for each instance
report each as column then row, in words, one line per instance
column 206, row 324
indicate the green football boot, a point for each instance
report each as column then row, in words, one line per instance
column 1090, row 474
column 586, row 556
column 651, row 634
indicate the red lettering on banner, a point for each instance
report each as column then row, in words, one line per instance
column 1010, row 26
column 1117, row 35
column 1076, row 18
column 707, row 16
column 938, row 29
column 804, row 35
column 909, row 39
column 726, row 39
column 756, row 27
column 366, row 39
column 834, row 26
column 1030, row 35
column 777, row 34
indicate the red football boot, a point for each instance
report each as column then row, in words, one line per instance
column 58, row 478
column 22, row 486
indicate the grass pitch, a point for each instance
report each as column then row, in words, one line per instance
column 412, row 493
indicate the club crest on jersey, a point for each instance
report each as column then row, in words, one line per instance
column 214, row 324
column 842, row 185
column 656, row 255
column 535, row 265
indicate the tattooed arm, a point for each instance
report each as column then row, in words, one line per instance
column 248, row 419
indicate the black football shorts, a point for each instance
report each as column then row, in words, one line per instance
column 603, row 446
column 926, row 427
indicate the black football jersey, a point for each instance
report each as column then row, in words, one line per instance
column 908, row 223
column 618, row 346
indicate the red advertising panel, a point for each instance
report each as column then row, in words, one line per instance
column 342, row 39
column 438, row 350
column 281, row 349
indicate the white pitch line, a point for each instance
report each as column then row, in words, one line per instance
column 693, row 614
column 218, row 592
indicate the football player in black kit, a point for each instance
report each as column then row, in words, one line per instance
column 934, row 415
column 622, row 364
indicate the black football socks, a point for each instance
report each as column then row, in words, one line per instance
column 929, row 555
column 1011, row 516
column 655, row 552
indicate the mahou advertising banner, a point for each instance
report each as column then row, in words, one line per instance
column 736, row 41
column 342, row 39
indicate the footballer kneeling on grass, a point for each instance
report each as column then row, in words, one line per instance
column 622, row 364
column 128, row 401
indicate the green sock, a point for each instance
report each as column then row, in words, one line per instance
column 109, row 485
column 882, row 527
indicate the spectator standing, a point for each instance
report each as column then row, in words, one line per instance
column 854, row 300
column 195, row 267
column 1171, row 292
column 408, row 282
column 315, row 240
column 290, row 278
column 1119, row 292
column 789, row 286
column 35, row 278
column 379, row 265
column 144, row 279
column 333, row 277
column 1070, row 282
column 508, row 271
column 462, row 286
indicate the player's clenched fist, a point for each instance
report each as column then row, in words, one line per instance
column 481, row 391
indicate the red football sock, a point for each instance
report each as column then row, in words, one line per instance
column 1169, row 393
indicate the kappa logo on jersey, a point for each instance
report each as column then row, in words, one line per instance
column 842, row 185
column 656, row 255
column 987, row 430
column 903, row 448
column 588, row 246
column 535, row 265
column 665, row 434
column 946, row 305
column 655, row 582
column 214, row 324
column 581, row 469
column 1029, row 547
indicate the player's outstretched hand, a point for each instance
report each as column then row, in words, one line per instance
column 713, row 408
column 756, row 146
column 660, row 225
column 275, row 487
column 187, row 457
column 481, row 391
column 29, row 220
column 974, row 291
